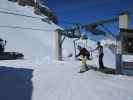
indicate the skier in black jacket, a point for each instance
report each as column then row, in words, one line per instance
column 84, row 52
column 84, row 55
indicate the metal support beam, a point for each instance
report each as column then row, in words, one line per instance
column 108, row 31
column 74, row 42
column 62, row 40
column 101, row 22
column 123, row 23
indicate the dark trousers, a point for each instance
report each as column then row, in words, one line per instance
column 101, row 65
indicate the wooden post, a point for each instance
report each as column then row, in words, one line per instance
column 57, row 45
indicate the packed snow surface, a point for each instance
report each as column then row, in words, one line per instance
column 39, row 77
column 42, row 79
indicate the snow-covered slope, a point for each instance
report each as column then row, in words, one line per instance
column 33, row 43
column 36, row 41
column 43, row 79
column 38, row 77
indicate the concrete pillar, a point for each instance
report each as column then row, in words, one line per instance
column 57, row 45
column 124, row 20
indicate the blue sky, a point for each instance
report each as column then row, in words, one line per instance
column 87, row 11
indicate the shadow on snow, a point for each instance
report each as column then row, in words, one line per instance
column 15, row 83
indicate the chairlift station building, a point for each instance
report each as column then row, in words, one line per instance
column 124, row 43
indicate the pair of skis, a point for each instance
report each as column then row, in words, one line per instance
column 104, row 70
